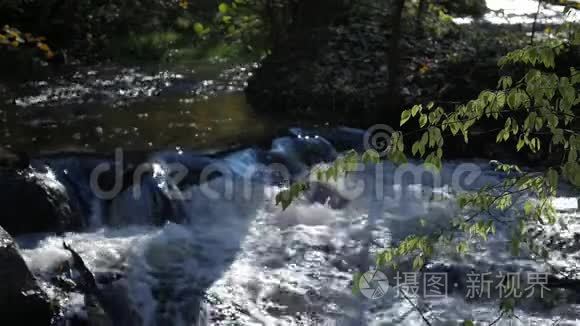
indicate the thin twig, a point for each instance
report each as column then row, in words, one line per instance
column 427, row 322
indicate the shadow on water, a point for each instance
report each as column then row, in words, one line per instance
column 101, row 109
column 163, row 123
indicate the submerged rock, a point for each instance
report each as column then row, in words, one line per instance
column 22, row 301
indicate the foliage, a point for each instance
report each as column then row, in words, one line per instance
column 252, row 23
column 151, row 45
column 240, row 20
column 87, row 27
column 93, row 28
column 436, row 16
column 476, row 8
column 13, row 38
column 538, row 114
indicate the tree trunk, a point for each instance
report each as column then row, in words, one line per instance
column 421, row 8
column 272, row 22
column 393, row 62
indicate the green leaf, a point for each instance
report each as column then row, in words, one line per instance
column 521, row 143
column 505, row 82
column 424, row 139
column 418, row 263
column 405, row 116
column 398, row 158
column 512, row 100
column 388, row 256
column 223, row 8
column 552, row 177
column 371, row 156
column 416, row 109
column 572, row 172
column 297, row 189
column 423, row 119
column 462, row 248
column 332, row 173
column 507, row 305
column 284, row 198
column 468, row 323
column 198, row 28
column 568, row 92
column 500, row 101
column 574, row 76
column 455, row 127
column 416, row 148
column 500, row 136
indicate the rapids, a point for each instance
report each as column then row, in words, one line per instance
column 236, row 258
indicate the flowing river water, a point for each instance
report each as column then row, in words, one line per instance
column 235, row 258
column 224, row 253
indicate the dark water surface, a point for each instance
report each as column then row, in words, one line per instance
column 99, row 109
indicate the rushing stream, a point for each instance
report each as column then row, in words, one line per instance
column 220, row 251
column 235, row 258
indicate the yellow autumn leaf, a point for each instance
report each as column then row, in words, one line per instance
column 43, row 47
column 13, row 32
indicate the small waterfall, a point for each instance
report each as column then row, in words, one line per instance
column 197, row 239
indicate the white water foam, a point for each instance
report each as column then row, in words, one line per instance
column 258, row 265
column 522, row 12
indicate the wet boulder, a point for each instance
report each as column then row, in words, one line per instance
column 33, row 199
column 22, row 301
